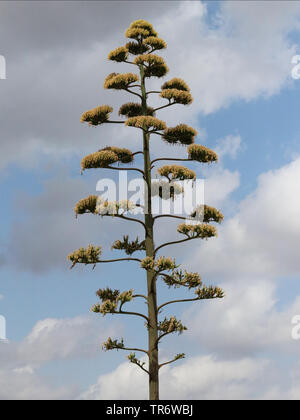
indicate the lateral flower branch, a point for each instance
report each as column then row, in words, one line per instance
column 142, row 42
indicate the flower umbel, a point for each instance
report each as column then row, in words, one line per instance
column 89, row 255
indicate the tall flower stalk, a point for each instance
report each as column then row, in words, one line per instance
column 143, row 42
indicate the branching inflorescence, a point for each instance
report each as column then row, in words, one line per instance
column 143, row 42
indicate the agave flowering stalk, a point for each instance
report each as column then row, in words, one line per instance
column 143, row 42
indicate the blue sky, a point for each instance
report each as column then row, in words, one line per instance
column 236, row 57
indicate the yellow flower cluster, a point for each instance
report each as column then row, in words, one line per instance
column 207, row 214
column 182, row 278
column 177, row 172
column 135, row 48
column 202, row 154
column 176, row 83
column 147, row 263
column 107, row 294
column 156, row 65
column 110, row 300
column 171, row 325
column 133, row 109
column 119, row 80
column 202, row 231
column 137, row 33
column 141, row 23
column 89, row 255
column 101, row 159
column 97, row 116
column 124, row 155
column 162, row 264
column 105, row 157
column 178, row 96
column 86, row 205
column 107, row 307
column 182, row 133
column 155, row 43
column 165, row 264
column 119, row 54
column 209, row 292
column 145, row 123
column 110, row 344
column 140, row 29
column 126, row 296
column 129, row 246
column 113, row 208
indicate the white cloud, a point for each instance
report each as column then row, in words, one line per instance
column 25, row 385
column 255, row 248
column 215, row 61
column 246, row 322
column 219, row 184
column 262, row 237
column 58, row 339
column 114, row 385
column 202, row 377
column 37, row 246
column 49, row 340
column 208, row 378
column 228, row 146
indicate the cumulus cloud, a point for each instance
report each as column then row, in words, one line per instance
column 256, row 247
column 56, row 339
column 50, row 340
column 262, row 237
column 63, row 69
column 201, row 377
column 57, row 23
column 51, row 232
column 220, row 57
column 62, row 74
column 246, row 322
column 219, row 184
column 26, row 385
